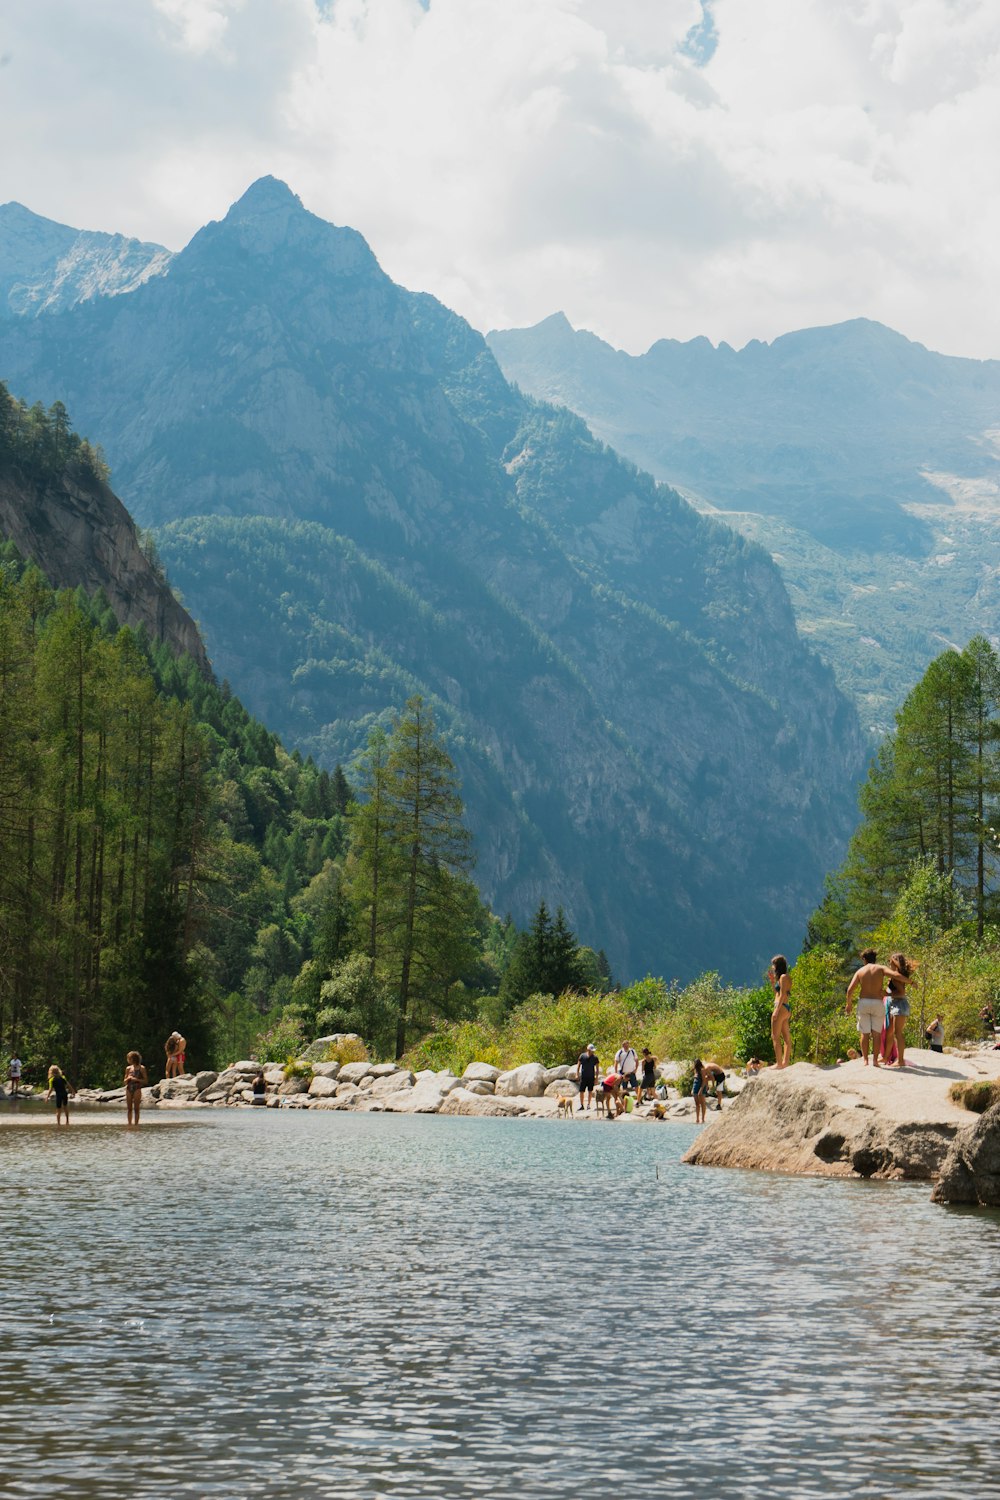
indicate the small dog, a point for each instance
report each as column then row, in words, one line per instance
column 660, row 1110
column 565, row 1110
column 602, row 1100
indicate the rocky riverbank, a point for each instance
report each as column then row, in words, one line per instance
column 849, row 1120
column 530, row 1090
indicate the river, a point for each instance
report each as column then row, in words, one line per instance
column 251, row 1303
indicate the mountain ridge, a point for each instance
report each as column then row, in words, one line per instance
column 616, row 673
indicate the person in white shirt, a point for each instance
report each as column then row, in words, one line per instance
column 14, row 1073
column 626, row 1063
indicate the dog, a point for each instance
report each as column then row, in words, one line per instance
column 602, row 1100
column 565, row 1109
column 659, row 1110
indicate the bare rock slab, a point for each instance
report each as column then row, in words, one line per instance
column 845, row 1121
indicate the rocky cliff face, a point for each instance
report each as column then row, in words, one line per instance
column 359, row 506
column 80, row 535
column 46, row 267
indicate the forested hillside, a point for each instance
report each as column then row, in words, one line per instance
column 359, row 508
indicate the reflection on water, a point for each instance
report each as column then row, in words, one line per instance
column 376, row 1305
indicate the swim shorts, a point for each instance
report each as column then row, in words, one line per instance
column 871, row 1017
column 898, row 1006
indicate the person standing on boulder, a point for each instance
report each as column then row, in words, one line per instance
column 14, row 1074
column 869, row 981
column 899, row 1008
column 175, row 1047
column 587, row 1065
column 781, row 1013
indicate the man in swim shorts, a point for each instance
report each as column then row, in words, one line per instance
column 869, row 981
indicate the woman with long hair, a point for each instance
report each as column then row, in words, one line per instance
column 698, row 1091
column 899, row 1008
column 781, row 1029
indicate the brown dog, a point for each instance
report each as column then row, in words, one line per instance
column 602, row 1099
column 565, row 1110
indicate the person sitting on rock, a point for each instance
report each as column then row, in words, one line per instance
column 869, row 980
column 259, row 1088
column 935, row 1034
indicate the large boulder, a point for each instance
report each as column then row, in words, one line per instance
column 354, row 1072
column 383, row 1070
column 558, row 1075
column 317, row 1050
column 347, row 1091
column 526, row 1082
column 561, row 1087
column 297, row 1084
column 392, row 1083
column 872, row 1122
column 463, row 1102
column 970, row 1173
column 326, row 1070
column 425, row 1098
column 477, row 1086
column 480, row 1072
column 176, row 1089
column 203, row 1081
column 322, row 1088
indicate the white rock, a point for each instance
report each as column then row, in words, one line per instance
column 325, row 1070
column 354, row 1072
column 425, row 1098
column 557, row 1075
column 477, row 1086
column 383, row 1070
column 177, row 1088
column 322, row 1088
column 480, row 1072
column 392, row 1083
column 526, row 1082
column 347, row 1090
column 465, row 1102
column 274, row 1076
column 562, row 1086
column 203, row 1081
column 292, row 1086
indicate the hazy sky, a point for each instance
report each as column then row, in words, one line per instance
column 736, row 168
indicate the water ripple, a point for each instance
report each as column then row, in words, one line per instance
column 381, row 1306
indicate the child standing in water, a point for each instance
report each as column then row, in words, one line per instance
column 59, row 1087
column 136, row 1078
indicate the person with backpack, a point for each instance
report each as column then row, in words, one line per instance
column 626, row 1064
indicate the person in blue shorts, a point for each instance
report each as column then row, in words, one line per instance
column 698, row 1091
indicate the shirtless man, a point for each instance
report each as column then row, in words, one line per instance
column 869, row 981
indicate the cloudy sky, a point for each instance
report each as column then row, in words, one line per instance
column 735, row 168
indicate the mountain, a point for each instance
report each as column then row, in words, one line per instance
column 868, row 465
column 59, row 512
column 46, row 267
column 357, row 506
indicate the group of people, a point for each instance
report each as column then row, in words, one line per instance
column 883, row 1009
column 135, row 1080
column 621, row 1082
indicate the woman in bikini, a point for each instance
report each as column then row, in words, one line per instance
column 136, row 1078
column 781, row 1030
column 899, row 1008
column 698, row 1091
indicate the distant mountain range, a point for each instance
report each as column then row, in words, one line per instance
column 866, row 464
column 357, row 505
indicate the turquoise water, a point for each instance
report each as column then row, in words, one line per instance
column 307, row 1304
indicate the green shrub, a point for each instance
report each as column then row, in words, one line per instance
column 349, row 1049
column 285, row 1038
column 294, row 1068
column 751, row 1015
column 976, row 1094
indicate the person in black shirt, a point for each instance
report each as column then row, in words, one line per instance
column 59, row 1087
column 587, row 1065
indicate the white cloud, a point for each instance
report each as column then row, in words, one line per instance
column 515, row 156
